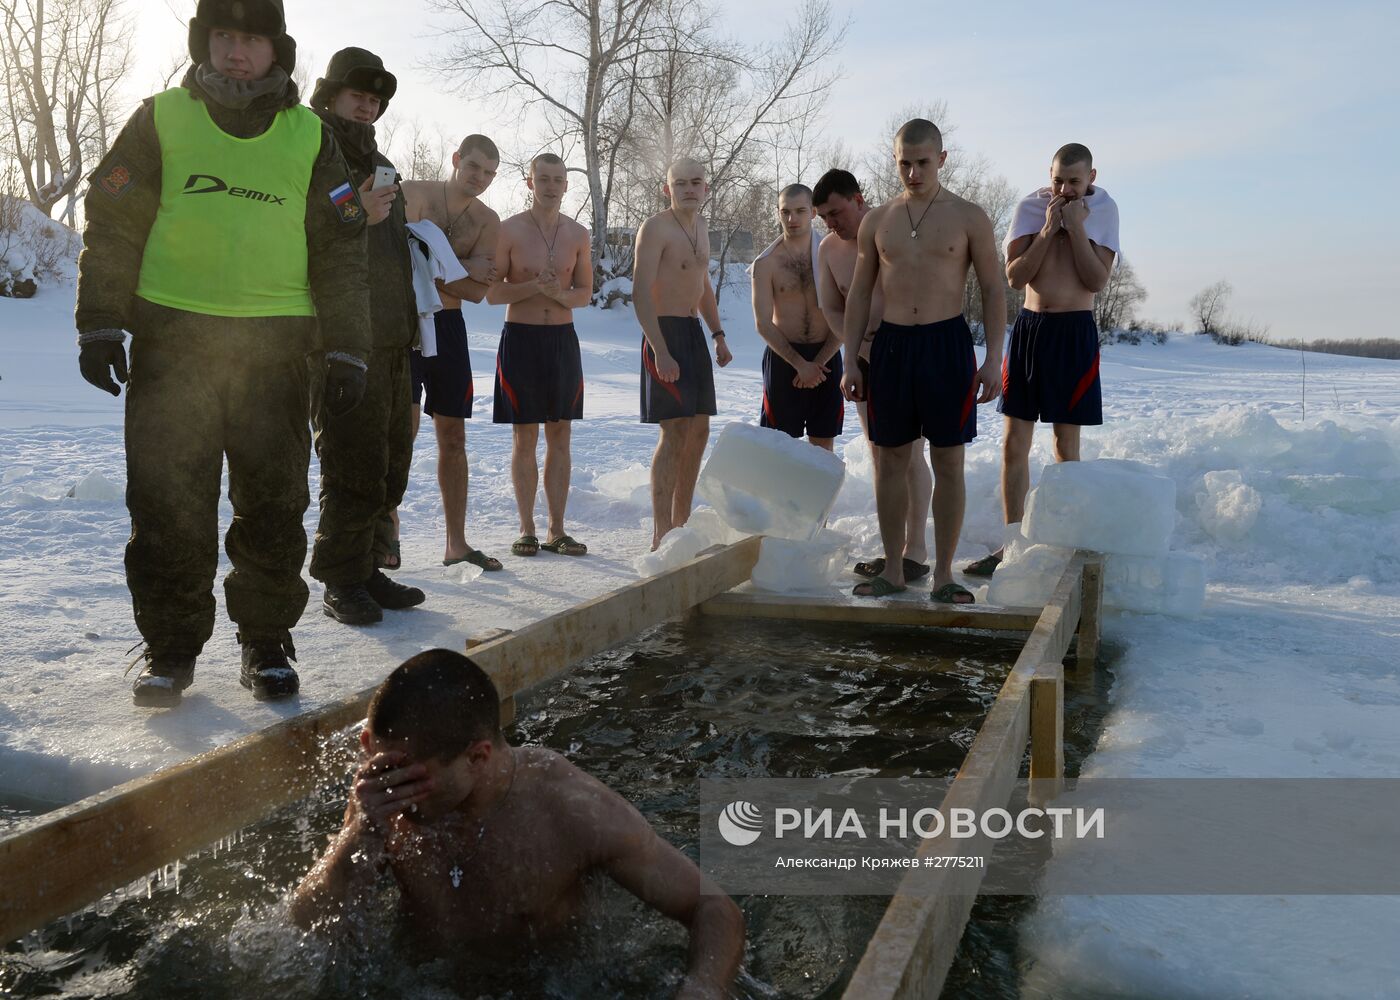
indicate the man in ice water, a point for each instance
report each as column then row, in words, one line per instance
column 1060, row 248
column 491, row 844
column 670, row 284
column 841, row 205
column 924, row 380
column 545, row 273
column 446, row 379
column 802, row 362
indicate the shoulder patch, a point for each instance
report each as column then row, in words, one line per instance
column 116, row 181
column 343, row 198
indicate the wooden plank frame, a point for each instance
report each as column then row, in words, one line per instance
column 913, row 948
column 75, row 855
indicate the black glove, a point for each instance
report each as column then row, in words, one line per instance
column 345, row 385
column 99, row 360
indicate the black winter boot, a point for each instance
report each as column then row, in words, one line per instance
column 162, row 679
column 351, row 604
column 391, row 594
column 266, row 671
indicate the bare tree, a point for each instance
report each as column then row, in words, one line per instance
column 1115, row 308
column 629, row 84
column 61, row 60
column 1208, row 307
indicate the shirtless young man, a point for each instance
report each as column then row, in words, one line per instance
column 1052, row 365
column 841, row 205
column 545, row 272
column 491, row 844
column 446, row 380
column 924, row 381
column 670, row 284
column 801, row 394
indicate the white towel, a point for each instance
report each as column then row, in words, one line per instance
column 773, row 247
column 433, row 258
column 1101, row 225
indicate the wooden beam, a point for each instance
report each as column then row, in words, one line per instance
column 1091, row 618
column 75, row 855
column 489, row 635
column 865, row 611
column 1047, row 732
column 913, row 948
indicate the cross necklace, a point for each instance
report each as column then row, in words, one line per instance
column 455, row 874
column 548, row 243
column 913, row 227
column 445, row 210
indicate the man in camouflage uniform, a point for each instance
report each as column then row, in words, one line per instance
column 365, row 453
column 221, row 227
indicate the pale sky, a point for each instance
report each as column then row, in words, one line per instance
column 1250, row 141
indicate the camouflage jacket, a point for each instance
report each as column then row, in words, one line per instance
column 124, row 195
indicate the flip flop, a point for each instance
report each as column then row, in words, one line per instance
column 950, row 592
column 912, row 570
column 477, row 558
column 565, row 546
column 525, row 545
column 393, row 559
column 877, row 587
column 985, row 566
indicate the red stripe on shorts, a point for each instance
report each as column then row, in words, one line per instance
column 649, row 361
column 767, row 410
column 1084, row 383
column 505, row 387
column 968, row 403
column 578, row 395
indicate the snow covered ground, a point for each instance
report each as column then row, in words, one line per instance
column 1290, row 672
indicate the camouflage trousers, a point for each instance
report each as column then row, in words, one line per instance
column 203, row 389
column 365, row 456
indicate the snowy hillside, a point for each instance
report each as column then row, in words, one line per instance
column 1290, row 671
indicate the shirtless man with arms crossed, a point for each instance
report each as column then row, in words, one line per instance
column 841, row 205
column 491, row 844
column 924, row 381
column 801, row 393
column 472, row 229
column 546, row 272
column 670, row 284
column 1052, row 365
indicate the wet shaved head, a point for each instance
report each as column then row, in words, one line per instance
column 918, row 132
column 795, row 191
column 548, row 159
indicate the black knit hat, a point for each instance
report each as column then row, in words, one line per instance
column 359, row 69
column 253, row 17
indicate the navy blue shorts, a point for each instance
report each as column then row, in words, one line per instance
column 691, row 394
column 444, row 381
column 922, row 384
column 1051, row 370
column 539, row 374
column 819, row 412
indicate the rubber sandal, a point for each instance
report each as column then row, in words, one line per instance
column 950, row 592
column 869, row 569
column 877, row 587
column 914, row 570
column 565, row 546
column 525, row 545
column 477, row 558
column 985, row 566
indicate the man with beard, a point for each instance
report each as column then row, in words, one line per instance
column 365, row 453
column 222, row 228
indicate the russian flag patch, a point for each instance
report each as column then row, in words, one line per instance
column 343, row 198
